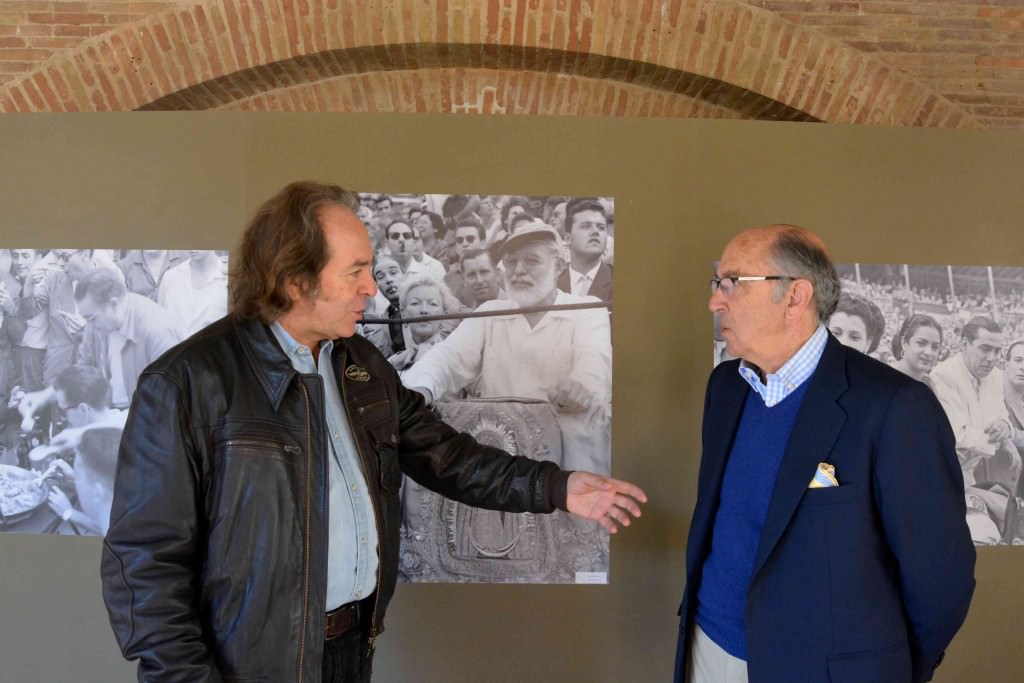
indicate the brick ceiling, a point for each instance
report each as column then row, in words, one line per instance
column 940, row 63
column 972, row 53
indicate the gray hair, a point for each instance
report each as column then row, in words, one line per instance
column 799, row 253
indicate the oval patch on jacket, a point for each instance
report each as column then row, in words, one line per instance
column 354, row 372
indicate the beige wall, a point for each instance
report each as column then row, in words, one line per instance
column 681, row 188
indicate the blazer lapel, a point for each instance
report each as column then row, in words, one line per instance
column 721, row 420
column 817, row 428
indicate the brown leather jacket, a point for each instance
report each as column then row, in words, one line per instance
column 214, row 567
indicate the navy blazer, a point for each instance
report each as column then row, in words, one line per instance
column 863, row 582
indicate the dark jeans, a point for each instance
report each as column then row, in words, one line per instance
column 346, row 659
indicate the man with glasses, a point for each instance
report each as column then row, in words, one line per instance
column 828, row 540
column 405, row 245
column 469, row 234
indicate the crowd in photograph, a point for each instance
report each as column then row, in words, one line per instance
column 966, row 342
column 497, row 310
column 485, row 296
column 77, row 328
column 497, row 297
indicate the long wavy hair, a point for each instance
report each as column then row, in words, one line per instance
column 284, row 242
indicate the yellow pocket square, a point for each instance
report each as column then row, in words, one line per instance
column 825, row 477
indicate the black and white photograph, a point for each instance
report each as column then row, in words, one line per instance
column 497, row 308
column 960, row 330
column 77, row 328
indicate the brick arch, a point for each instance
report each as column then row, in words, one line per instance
column 481, row 91
column 728, row 54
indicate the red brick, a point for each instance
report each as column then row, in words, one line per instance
column 75, row 18
column 77, row 31
column 19, row 99
column 208, row 42
column 26, row 54
column 35, row 99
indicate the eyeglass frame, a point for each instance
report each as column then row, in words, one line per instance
column 65, row 255
column 716, row 282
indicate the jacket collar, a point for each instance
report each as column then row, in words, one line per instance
column 269, row 363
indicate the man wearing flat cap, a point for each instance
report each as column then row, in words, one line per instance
column 527, row 350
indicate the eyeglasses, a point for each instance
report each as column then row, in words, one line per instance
column 400, row 235
column 65, row 256
column 728, row 283
column 466, row 239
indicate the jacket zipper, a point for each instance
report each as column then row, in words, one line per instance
column 256, row 443
column 362, row 410
column 370, row 645
column 306, row 532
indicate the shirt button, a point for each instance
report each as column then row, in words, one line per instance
column 363, row 541
column 336, row 435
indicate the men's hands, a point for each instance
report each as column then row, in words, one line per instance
column 570, row 396
column 58, row 501
column 998, row 430
column 73, row 322
column 610, row 502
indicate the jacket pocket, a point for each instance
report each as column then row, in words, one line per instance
column 831, row 495
column 888, row 665
column 384, row 441
column 259, row 448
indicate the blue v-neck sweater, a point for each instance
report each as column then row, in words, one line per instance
column 761, row 440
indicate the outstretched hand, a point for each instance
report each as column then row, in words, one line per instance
column 609, row 502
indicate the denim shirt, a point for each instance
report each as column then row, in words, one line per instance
column 352, row 543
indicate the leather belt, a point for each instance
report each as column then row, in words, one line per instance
column 340, row 621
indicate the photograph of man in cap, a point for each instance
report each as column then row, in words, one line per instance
column 525, row 350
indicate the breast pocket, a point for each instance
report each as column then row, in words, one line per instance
column 830, row 495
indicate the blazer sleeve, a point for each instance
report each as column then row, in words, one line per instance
column 920, row 496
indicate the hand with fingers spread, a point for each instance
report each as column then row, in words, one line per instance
column 610, row 502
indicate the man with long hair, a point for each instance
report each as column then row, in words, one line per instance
column 255, row 526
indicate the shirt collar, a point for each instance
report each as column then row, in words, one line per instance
column 592, row 273
column 791, row 375
column 293, row 348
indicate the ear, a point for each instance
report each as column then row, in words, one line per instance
column 293, row 290
column 800, row 299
